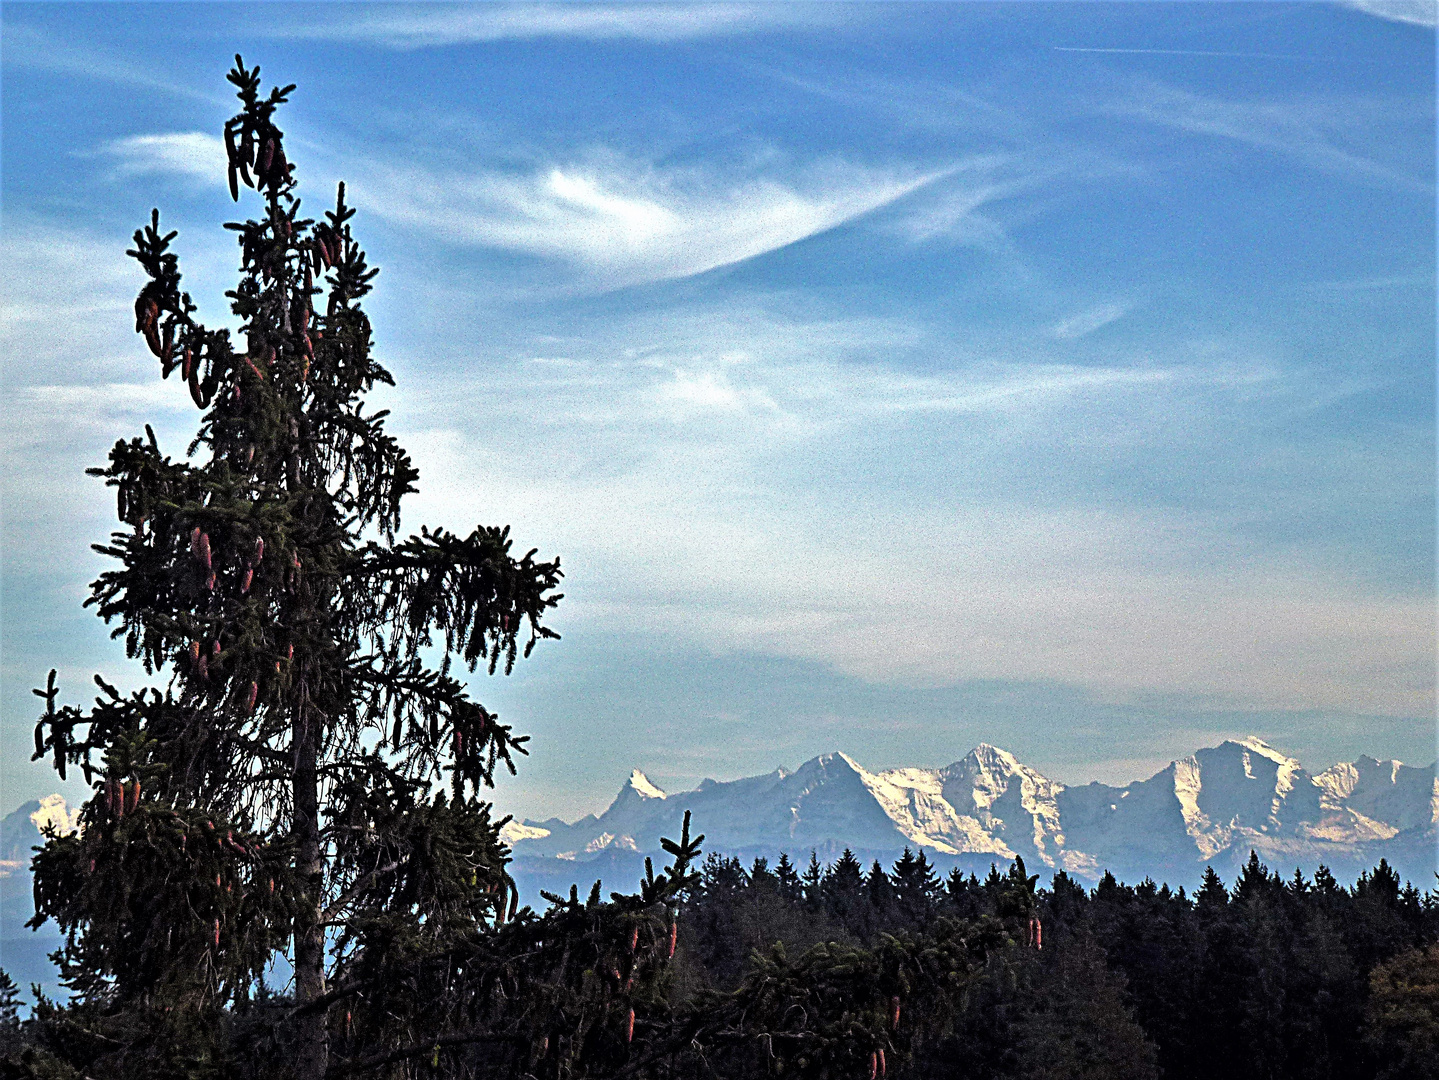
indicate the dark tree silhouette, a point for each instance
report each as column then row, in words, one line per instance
column 305, row 775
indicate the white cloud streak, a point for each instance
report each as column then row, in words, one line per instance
column 624, row 223
column 619, row 221
column 404, row 26
column 27, row 47
column 1414, row 12
column 1318, row 135
column 64, row 296
column 1087, row 322
column 192, row 154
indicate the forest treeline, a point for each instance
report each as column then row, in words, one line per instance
column 1270, row 978
column 839, row 971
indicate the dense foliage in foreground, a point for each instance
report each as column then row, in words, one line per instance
column 845, row 973
column 1270, row 979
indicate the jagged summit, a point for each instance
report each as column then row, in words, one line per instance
column 640, row 784
column 1259, row 746
column 990, row 753
column 1213, row 806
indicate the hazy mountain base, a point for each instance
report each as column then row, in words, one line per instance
column 25, row 953
column 1413, row 860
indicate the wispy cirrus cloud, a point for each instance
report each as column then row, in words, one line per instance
column 622, row 222
column 618, row 220
column 955, row 209
column 193, row 154
column 64, row 304
column 27, row 47
column 429, row 26
column 1414, row 12
column 745, row 483
column 65, row 301
column 1087, row 322
column 1322, row 135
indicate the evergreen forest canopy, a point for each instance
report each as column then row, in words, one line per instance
column 305, row 776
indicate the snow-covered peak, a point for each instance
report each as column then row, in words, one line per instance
column 1339, row 781
column 983, row 775
column 826, row 767
column 1391, row 792
column 988, row 752
column 512, row 832
column 842, row 756
column 985, row 759
column 54, row 815
column 641, row 785
column 1257, row 745
column 1215, row 804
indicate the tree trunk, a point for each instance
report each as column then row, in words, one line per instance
column 312, row 1057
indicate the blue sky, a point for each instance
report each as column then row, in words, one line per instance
column 887, row 378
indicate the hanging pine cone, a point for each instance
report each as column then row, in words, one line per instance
column 143, row 316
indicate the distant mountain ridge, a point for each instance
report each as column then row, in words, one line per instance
column 1211, row 808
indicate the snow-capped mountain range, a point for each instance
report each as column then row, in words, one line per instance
column 1212, row 809
column 1208, row 809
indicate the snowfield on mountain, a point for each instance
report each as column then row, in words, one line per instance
column 1211, row 808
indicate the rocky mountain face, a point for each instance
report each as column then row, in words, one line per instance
column 1208, row 809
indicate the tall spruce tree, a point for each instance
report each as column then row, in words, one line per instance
column 306, row 774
